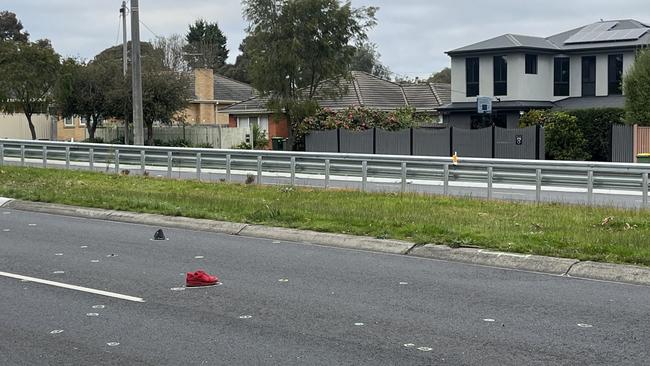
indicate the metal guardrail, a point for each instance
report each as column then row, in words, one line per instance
column 390, row 169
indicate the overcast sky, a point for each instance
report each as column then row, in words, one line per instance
column 412, row 35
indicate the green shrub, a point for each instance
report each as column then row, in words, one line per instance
column 637, row 90
column 96, row 140
column 563, row 138
column 259, row 138
column 596, row 126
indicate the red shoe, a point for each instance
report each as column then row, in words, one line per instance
column 200, row 278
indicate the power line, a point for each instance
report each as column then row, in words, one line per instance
column 149, row 29
column 119, row 25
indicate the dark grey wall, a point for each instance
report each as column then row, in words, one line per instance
column 506, row 147
column 472, row 143
column 622, row 144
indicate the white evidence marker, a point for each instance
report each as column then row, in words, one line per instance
column 94, row 261
column 57, row 331
column 31, row 225
column 489, row 320
column 113, row 344
column 177, row 288
column 83, row 247
column 199, row 257
column 409, row 345
column 283, row 280
column 92, row 314
column 276, row 242
column 58, row 254
column 58, row 272
column 425, row 349
column 245, row 317
column 403, row 283
column 585, row 325
column 99, row 306
column 6, row 230
column 359, row 324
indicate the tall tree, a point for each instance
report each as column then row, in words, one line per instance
column 366, row 58
column 239, row 70
column 295, row 46
column 206, row 45
column 29, row 73
column 11, row 29
column 172, row 49
column 82, row 90
column 443, row 76
column 637, row 90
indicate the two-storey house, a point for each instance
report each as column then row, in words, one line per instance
column 580, row 68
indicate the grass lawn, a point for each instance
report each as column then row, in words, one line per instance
column 548, row 229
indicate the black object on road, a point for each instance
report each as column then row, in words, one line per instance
column 159, row 235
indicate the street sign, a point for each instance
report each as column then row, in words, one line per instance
column 484, row 105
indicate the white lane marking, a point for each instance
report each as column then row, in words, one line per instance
column 276, row 242
column 403, row 283
column 31, row 224
column 58, row 254
column 177, row 288
column 409, row 345
column 585, row 325
column 94, row 261
column 57, row 331
column 113, row 344
column 283, row 280
column 245, row 317
column 425, row 349
column 92, row 314
column 72, row 287
column 58, row 272
column 489, row 320
column 99, row 306
column 199, row 257
column 6, row 230
column 6, row 213
column 359, row 324
column 83, row 247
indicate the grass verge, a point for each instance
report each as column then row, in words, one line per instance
column 598, row 234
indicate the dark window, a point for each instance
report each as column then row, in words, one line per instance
column 589, row 76
column 561, row 76
column 499, row 119
column 531, row 64
column 615, row 74
column 472, row 72
column 500, row 75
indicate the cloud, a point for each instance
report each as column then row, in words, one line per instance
column 412, row 35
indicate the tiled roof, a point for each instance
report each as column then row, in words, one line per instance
column 610, row 101
column 369, row 91
column 227, row 89
column 558, row 42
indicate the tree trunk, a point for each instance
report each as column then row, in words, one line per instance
column 90, row 129
column 127, row 133
column 31, row 125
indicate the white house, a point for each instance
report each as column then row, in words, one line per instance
column 576, row 69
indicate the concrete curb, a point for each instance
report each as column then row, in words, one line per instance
column 534, row 263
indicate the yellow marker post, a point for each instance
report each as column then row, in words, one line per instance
column 454, row 158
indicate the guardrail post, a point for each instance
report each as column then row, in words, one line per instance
column 590, row 187
column 142, row 161
column 490, row 177
column 22, row 155
column 364, row 175
column 327, row 173
column 117, row 161
column 228, row 168
column 91, row 158
column 538, row 185
column 404, row 177
column 293, row 170
column 259, row 169
column 645, row 190
column 445, row 179
column 44, row 156
column 67, row 157
column 198, row 166
column 170, row 164
column 2, row 154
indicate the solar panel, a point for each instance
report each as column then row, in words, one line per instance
column 603, row 32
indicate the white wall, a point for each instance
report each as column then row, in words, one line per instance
column 15, row 126
column 539, row 87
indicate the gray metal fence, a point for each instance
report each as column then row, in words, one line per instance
column 357, row 142
column 431, row 142
column 492, row 142
column 393, row 142
column 474, row 143
column 622, row 144
column 516, row 144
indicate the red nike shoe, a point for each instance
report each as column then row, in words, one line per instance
column 200, row 278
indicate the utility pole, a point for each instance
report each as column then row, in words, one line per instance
column 125, row 68
column 138, row 124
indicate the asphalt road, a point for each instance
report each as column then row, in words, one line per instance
column 290, row 303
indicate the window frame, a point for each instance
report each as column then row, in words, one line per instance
column 589, row 76
column 69, row 124
column 82, row 122
column 472, row 76
column 500, row 72
column 531, row 62
column 558, row 82
column 615, row 76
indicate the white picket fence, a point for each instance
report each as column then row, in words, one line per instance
column 218, row 137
